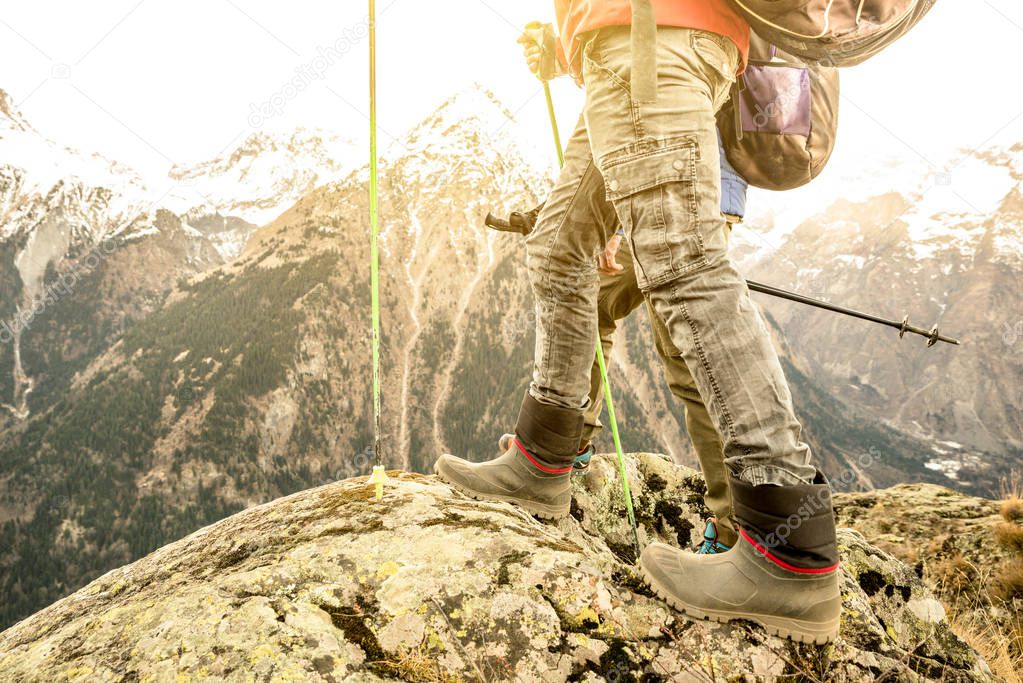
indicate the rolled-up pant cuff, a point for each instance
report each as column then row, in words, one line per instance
column 759, row 475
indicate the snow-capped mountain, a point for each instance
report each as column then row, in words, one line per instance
column 471, row 122
column 37, row 174
column 228, row 196
column 68, row 216
column 948, row 249
column 68, row 221
column 962, row 207
column 771, row 217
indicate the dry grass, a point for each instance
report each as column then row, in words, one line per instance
column 955, row 576
column 1012, row 498
column 1008, row 583
column 999, row 650
column 1012, row 509
column 970, row 592
column 1001, row 644
column 968, row 617
column 910, row 555
column 1009, row 535
column 418, row 666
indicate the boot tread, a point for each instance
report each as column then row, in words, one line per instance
column 790, row 629
column 540, row 510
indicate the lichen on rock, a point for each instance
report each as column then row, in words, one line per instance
column 429, row 585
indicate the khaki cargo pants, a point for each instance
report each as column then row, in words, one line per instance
column 660, row 168
column 619, row 296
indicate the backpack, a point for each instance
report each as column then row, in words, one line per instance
column 833, row 32
column 778, row 128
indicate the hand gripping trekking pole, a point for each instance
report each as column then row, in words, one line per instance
column 600, row 360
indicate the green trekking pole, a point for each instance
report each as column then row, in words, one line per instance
column 618, row 445
column 379, row 476
column 599, row 351
column 554, row 123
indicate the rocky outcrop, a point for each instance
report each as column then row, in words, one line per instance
column 926, row 525
column 427, row 584
column 952, row 541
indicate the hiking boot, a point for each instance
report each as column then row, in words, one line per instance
column 535, row 469
column 782, row 574
column 711, row 545
column 743, row 584
column 515, row 477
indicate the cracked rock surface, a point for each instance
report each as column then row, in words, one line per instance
column 429, row 585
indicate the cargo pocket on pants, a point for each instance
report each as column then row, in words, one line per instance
column 653, row 187
column 720, row 59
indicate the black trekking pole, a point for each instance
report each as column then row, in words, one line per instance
column 933, row 337
column 516, row 222
column 522, row 223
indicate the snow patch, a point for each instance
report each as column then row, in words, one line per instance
column 263, row 176
column 950, row 468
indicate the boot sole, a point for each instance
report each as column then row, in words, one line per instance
column 801, row 631
column 538, row 509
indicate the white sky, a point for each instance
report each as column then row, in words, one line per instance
column 157, row 82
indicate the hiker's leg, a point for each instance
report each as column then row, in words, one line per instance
column 561, row 254
column 618, row 297
column 661, row 168
column 615, row 299
column 660, row 164
column 700, row 426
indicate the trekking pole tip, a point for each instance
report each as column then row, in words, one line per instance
column 378, row 479
column 497, row 223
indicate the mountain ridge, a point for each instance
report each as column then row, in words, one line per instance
column 428, row 584
column 949, row 253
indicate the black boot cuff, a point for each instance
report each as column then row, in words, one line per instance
column 795, row 524
column 550, row 433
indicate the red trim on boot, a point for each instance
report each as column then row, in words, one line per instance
column 783, row 564
column 537, row 465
